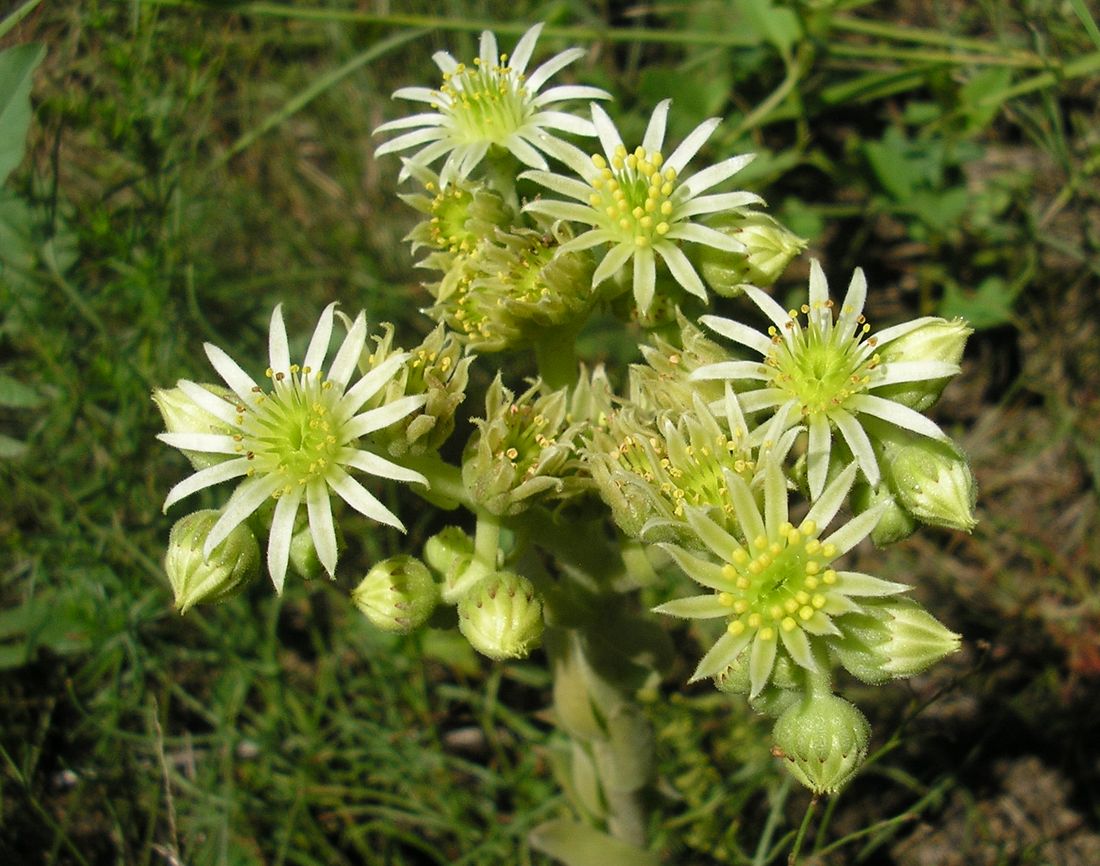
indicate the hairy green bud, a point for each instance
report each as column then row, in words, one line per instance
column 232, row 565
column 397, row 595
column 891, row 639
column 501, row 616
column 769, row 248
column 181, row 414
column 824, row 741
column 936, row 340
column 932, row 482
column 894, row 525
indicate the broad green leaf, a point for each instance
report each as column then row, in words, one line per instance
column 11, row 448
column 987, row 306
column 16, row 67
column 576, row 844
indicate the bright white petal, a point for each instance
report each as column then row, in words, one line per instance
column 682, row 155
column 421, row 94
column 713, row 175
column 424, row 118
column 852, row 307
column 206, row 478
column 487, row 50
column 798, row 646
column 696, row 607
column 359, row 498
column 563, row 121
column 569, row 91
column 278, row 350
column 645, row 278
column 281, row 536
column 738, row 332
column 212, row 403
column 318, row 343
column 732, row 370
column 383, row 416
column 563, row 210
column 560, row 184
column 559, row 61
column 828, row 504
column 856, row 529
column 744, row 507
column 249, row 495
column 380, row 467
column 819, row 293
column 860, row 445
column 888, row 335
column 770, row 308
column 587, row 240
column 616, row 257
column 610, row 139
column 761, row 661
column 700, row 234
column 445, row 61
column 775, row 498
column 320, row 524
column 208, row 443
column 764, row 398
column 817, row 455
column 720, row 656
column 521, row 54
column 895, row 413
column 913, row 371
column 368, row 386
column 347, row 358
column 654, row 137
column 236, row 378
column 722, row 201
column 410, row 139
column 681, row 269
column 525, row 153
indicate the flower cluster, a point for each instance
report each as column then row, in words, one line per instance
column 745, row 461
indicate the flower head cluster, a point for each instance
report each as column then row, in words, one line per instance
column 491, row 102
column 640, row 203
column 824, row 372
column 778, row 591
column 294, row 441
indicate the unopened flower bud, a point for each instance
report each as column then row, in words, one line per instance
column 303, row 551
column 444, row 550
column 894, row 525
column 891, row 639
column 769, row 248
column 232, row 565
column 933, row 483
column 824, row 740
column 501, row 616
column 734, row 679
column 936, row 340
column 397, row 595
column 181, row 414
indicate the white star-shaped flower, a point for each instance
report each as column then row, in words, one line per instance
column 823, row 373
column 640, row 203
column 296, row 441
column 778, row 590
column 492, row 102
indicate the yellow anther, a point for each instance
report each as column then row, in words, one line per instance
column 740, row 556
column 638, row 213
column 754, row 620
column 641, row 241
column 595, row 199
column 740, row 606
column 813, row 567
column 818, row 601
column 736, row 627
column 829, row 577
column 790, row 605
column 767, row 634
column 829, row 551
column 666, row 189
column 789, row 624
column 662, row 228
column 656, row 158
column 805, row 613
column 809, row 527
column 670, row 174
column 813, row 546
column 774, row 548
column 776, row 612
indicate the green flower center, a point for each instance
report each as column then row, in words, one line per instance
column 447, row 223
column 633, row 196
column 778, row 583
column 822, row 366
column 486, row 103
column 290, row 430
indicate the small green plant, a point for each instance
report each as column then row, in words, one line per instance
column 725, row 457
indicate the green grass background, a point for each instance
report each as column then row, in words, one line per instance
column 189, row 165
